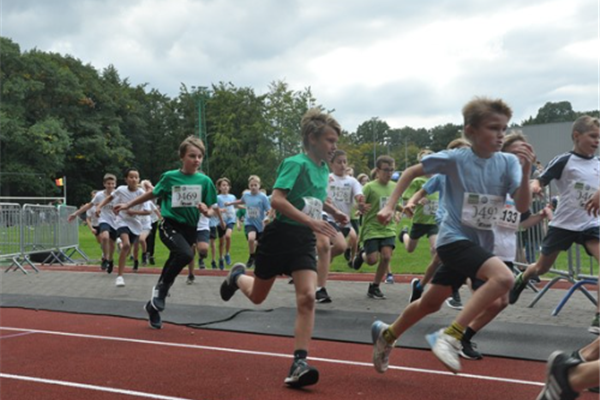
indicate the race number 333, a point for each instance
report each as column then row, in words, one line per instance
column 480, row 211
column 186, row 196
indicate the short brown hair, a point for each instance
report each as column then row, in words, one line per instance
column 456, row 143
column 480, row 108
column 314, row 122
column 221, row 180
column 384, row 160
column 254, row 178
column 515, row 135
column 191, row 141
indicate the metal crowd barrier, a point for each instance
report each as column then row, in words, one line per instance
column 578, row 270
column 37, row 230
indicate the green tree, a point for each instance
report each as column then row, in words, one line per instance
column 561, row 111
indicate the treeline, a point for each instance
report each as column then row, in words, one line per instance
column 60, row 117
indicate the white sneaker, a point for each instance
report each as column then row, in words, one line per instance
column 381, row 348
column 120, row 281
column 446, row 348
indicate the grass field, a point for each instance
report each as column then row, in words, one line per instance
column 402, row 262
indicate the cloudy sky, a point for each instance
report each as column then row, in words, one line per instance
column 409, row 63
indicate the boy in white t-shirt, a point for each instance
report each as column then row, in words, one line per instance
column 576, row 175
column 129, row 225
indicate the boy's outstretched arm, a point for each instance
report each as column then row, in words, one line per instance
column 386, row 213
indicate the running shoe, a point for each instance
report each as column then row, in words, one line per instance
column 301, row 374
column 469, row 350
column 416, row 291
column 557, row 378
column 229, row 285
column 445, row 348
column 322, row 296
column 154, row 319
column 517, row 288
column 381, row 348
column 120, row 282
column 374, row 292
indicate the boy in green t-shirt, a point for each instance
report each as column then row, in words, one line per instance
column 378, row 240
column 287, row 245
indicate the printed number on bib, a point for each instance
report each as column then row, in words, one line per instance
column 430, row 208
column 186, row 196
column 253, row 212
column 341, row 194
column 583, row 193
column 313, row 207
column 480, row 211
column 509, row 217
column 383, row 201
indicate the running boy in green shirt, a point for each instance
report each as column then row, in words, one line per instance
column 378, row 240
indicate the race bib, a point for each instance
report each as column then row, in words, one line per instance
column 509, row 218
column 583, row 193
column 383, row 201
column 480, row 211
column 186, row 196
column 430, row 207
column 253, row 212
column 341, row 194
column 313, row 207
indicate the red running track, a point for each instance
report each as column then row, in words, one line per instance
column 53, row 355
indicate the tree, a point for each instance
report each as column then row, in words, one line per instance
column 553, row 112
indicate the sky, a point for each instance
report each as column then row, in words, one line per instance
column 409, row 63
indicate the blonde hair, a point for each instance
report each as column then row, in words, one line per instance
column 480, row 108
column 315, row 122
column 515, row 135
column 191, row 141
column 108, row 177
column 457, row 143
column 423, row 153
column 254, row 178
column 583, row 124
column 362, row 176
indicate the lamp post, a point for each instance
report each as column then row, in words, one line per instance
column 202, row 92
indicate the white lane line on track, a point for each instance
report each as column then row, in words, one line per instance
column 16, row 335
column 89, row 387
column 268, row 354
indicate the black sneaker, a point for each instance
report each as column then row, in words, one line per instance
column 557, row 379
column 151, row 260
column 301, row 374
column 347, row 254
column 144, row 259
column 190, row 279
column 517, row 288
column 229, row 285
column 416, row 291
column 104, row 265
column 213, row 264
column 322, row 296
column 374, row 292
column 469, row 350
column 401, row 234
column 153, row 316
column 201, row 264
column 358, row 260
column 454, row 301
column 159, row 296
column 110, row 266
column 136, row 265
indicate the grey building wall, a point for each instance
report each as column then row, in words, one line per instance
column 549, row 140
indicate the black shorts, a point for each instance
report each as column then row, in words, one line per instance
column 558, row 239
column 97, row 229
column 126, row 231
column 460, row 260
column 417, row 231
column 203, row 236
column 284, row 248
column 252, row 228
column 222, row 231
column 112, row 233
column 213, row 232
column 375, row 245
